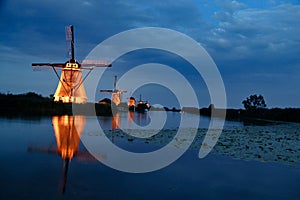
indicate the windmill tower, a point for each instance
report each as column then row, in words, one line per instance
column 115, row 94
column 70, row 88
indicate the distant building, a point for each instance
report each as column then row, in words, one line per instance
column 105, row 101
column 142, row 106
column 131, row 103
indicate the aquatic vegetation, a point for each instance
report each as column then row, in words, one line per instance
column 273, row 143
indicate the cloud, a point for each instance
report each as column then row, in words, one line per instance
column 229, row 6
column 243, row 37
column 272, row 34
column 257, row 50
column 94, row 21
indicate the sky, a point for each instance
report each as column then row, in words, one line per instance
column 255, row 44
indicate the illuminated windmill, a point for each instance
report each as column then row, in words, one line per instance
column 70, row 88
column 115, row 94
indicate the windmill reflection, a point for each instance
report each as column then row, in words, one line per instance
column 67, row 131
column 130, row 117
column 140, row 119
column 123, row 120
column 115, row 125
column 116, row 121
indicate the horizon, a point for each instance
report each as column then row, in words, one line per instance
column 155, row 106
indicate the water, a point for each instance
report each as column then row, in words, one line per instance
column 33, row 163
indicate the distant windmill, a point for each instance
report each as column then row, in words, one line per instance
column 115, row 94
column 71, row 88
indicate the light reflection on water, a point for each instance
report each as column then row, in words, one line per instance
column 34, row 153
column 126, row 120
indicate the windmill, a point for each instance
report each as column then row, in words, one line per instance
column 115, row 93
column 70, row 88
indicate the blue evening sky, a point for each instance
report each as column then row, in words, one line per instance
column 255, row 44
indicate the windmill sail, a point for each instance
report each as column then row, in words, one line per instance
column 70, row 42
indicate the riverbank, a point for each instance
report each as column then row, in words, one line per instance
column 32, row 104
column 248, row 116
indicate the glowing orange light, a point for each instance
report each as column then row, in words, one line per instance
column 67, row 133
column 70, row 88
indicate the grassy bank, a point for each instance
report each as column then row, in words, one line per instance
column 31, row 104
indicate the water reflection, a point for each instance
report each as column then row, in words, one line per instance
column 67, row 131
column 276, row 143
column 140, row 119
column 274, row 146
column 115, row 121
column 124, row 120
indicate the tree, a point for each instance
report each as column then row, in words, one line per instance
column 254, row 102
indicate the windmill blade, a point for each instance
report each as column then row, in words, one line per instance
column 115, row 83
column 42, row 150
column 46, row 66
column 95, row 63
column 70, row 41
column 87, row 68
column 109, row 91
column 49, row 64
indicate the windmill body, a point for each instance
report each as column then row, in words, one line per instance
column 70, row 87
